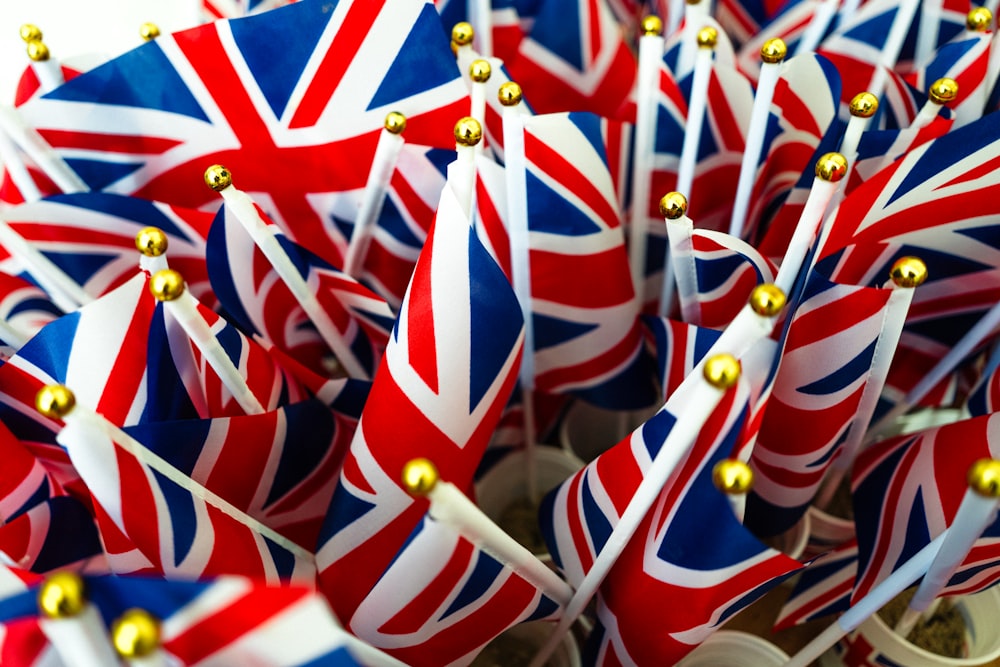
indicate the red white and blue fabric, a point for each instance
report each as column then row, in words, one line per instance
column 295, row 122
column 24, row 307
column 789, row 24
column 966, row 60
column 55, row 533
column 984, row 397
column 212, row 10
column 449, row 369
column 716, row 572
column 824, row 588
column 507, row 20
column 742, row 19
column 678, row 349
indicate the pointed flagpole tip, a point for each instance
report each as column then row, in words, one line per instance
column 151, row 241
column 149, row 31
column 468, row 131
column 673, row 206
column 135, row 634
column 943, row 91
column 722, row 370
column 908, row 272
column 732, row 477
column 510, row 94
column 55, row 401
column 708, row 37
column 462, row 33
column 480, row 70
column 767, row 300
column 420, row 476
column 30, row 32
column 37, row 51
column 166, row 285
column 651, row 25
column 218, row 177
column 395, row 122
column 864, row 105
column 831, row 167
column 773, row 51
column 979, row 20
column 62, row 595
column 984, row 478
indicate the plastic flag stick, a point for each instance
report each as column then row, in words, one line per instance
column 706, row 40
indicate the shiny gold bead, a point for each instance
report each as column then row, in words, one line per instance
column 943, row 90
column 166, row 285
column 480, row 70
column 773, row 51
column 151, row 241
column 673, row 206
column 468, row 131
column 767, row 300
column 420, row 476
column 462, row 33
column 31, row 32
column 732, row 477
column 864, row 105
column 395, row 122
column 509, row 94
column 979, row 19
column 218, row 177
column 722, row 370
column 651, row 25
column 62, row 595
column 37, row 51
column 149, row 31
column 984, row 478
column 708, row 37
column 55, row 401
column 908, row 272
column 135, row 634
column 831, row 167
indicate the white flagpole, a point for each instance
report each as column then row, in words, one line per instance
column 47, row 69
column 481, row 18
column 480, row 72
column 61, row 288
column 695, row 12
column 706, row 40
column 673, row 208
column 901, row 23
column 151, row 242
column 462, row 172
column 942, row 92
column 818, row 26
column 39, row 150
column 72, row 624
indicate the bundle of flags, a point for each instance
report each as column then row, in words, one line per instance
column 210, row 396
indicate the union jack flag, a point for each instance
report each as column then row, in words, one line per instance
column 743, row 19
column 24, row 309
column 789, row 24
column 984, row 398
column 966, row 60
column 291, row 122
column 679, row 347
column 55, row 533
column 212, row 10
column 508, row 19
column 824, row 587
column 716, row 572
column 448, row 371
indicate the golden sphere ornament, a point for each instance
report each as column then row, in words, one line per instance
column 673, row 206
column 462, row 33
column 480, row 70
column 732, row 477
column 166, row 285
column 509, row 94
column 468, row 131
column 708, row 37
column 908, row 272
column 420, row 476
column 979, row 19
column 773, row 51
column 149, row 31
column 943, row 91
column 722, row 370
column 831, row 167
column 135, row 634
column 30, row 32
column 37, row 51
column 55, row 401
column 651, row 25
column 767, row 300
column 395, row 122
column 151, row 241
column 218, row 177
column 984, row 478
column 62, row 595
column 864, row 105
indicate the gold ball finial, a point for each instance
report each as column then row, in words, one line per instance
column 468, row 131
column 773, row 51
column 395, row 122
column 864, row 105
column 480, row 70
column 943, row 91
column 673, row 206
column 30, row 32
column 55, row 401
column 462, row 33
column 831, row 167
column 984, row 478
column 37, row 51
column 767, row 300
column 135, row 634
column 420, row 476
column 732, row 477
column 651, row 25
column 979, row 19
column 149, row 31
column 510, row 94
column 708, row 37
column 218, row 177
column 166, row 285
column 151, row 241
column 62, row 595
column 908, row 272
column 722, row 370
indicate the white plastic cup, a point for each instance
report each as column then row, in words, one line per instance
column 534, row 634
column 826, row 532
column 731, row 648
column 588, row 431
column 874, row 644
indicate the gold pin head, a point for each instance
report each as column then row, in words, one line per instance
column 395, row 122
column 480, row 70
column 30, row 32
column 943, row 91
column 979, row 20
column 218, row 177
column 722, row 370
column 908, row 272
column 732, row 477
column 166, row 285
column 468, row 131
column 55, row 401
column 673, row 206
column 420, row 476
column 864, row 105
column 37, row 51
column 984, row 478
column 151, row 241
column 767, row 300
column 62, row 595
column 831, row 167
column 651, row 25
column 135, row 634
column 149, row 31
column 708, row 37
column 773, row 51
column 509, row 94
column 462, row 33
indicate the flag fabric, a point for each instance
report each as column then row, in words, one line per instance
column 678, row 349
column 295, row 125
column 984, row 397
column 824, row 587
column 24, row 308
column 788, row 24
column 966, row 60
column 55, row 533
column 743, row 19
column 212, row 10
